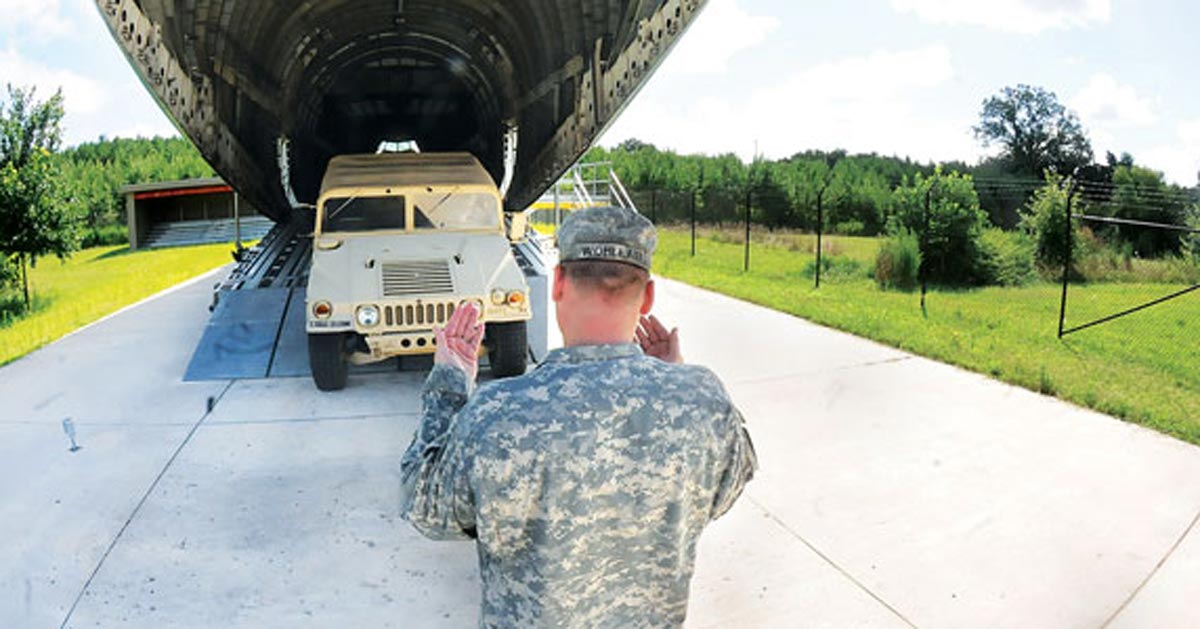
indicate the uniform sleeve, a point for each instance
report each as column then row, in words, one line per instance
column 435, row 492
column 740, row 461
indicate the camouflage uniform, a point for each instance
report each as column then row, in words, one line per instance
column 586, row 483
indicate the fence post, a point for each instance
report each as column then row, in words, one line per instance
column 925, row 244
column 820, row 226
column 693, row 223
column 1062, row 308
column 749, row 191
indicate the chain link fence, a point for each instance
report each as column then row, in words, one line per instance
column 1128, row 251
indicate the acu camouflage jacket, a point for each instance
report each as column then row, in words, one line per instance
column 586, row 483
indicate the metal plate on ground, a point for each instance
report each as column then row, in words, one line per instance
column 291, row 352
column 239, row 340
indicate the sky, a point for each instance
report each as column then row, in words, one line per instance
column 895, row 77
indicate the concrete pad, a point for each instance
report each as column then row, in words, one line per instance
column 742, row 342
column 894, row 491
column 123, row 369
column 1168, row 600
column 775, row 581
column 59, row 511
column 284, row 525
column 951, row 496
column 384, row 393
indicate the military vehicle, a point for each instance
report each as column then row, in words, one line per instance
column 399, row 242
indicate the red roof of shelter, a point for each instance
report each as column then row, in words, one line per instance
column 182, row 188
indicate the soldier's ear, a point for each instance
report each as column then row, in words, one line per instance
column 648, row 298
column 556, row 290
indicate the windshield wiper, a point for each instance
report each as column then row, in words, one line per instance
column 329, row 215
column 443, row 200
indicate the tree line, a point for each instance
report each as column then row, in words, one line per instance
column 54, row 201
column 1041, row 143
column 93, row 174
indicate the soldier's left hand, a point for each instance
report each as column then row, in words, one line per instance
column 656, row 341
column 458, row 342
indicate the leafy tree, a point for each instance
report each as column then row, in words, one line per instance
column 771, row 197
column 1190, row 247
column 35, row 218
column 1140, row 194
column 949, row 230
column 1036, row 132
column 1002, row 193
column 1044, row 219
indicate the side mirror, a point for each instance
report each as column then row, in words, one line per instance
column 518, row 225
column 326, row 243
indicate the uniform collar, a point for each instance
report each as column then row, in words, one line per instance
column 588, row 353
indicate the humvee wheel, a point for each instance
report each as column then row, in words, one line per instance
column 327, row 358
column 507, row 348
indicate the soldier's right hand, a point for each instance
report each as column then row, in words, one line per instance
column 458, row 342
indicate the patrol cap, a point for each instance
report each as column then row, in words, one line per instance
column 609, row 233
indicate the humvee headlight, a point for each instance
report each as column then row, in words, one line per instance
column 322, row 310
column 367, row 316
column 498, row 297
column 516, row 298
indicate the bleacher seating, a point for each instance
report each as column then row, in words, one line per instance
column 182, row 233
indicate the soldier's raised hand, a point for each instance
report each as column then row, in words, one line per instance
column 656, row 341
column 458, row 342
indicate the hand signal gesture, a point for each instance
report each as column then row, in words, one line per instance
column 652, row 335
column 458, row 342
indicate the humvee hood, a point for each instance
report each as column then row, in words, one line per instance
column 372, row 268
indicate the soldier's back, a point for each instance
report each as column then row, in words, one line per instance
column 592, row 479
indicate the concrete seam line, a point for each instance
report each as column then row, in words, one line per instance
column 831, row 562
column 138, row 507
column 1161, row 562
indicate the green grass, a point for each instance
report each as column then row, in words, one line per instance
column 1141, row 368
column 91, row 284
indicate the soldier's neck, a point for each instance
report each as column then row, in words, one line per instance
column 597, row 326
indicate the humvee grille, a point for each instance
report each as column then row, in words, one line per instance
column 418, row 315
column 416, row 277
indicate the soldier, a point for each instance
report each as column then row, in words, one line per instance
column 587, row 481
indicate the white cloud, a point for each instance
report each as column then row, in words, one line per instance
column 722, row 30
column 1104, row 101
column 82, row 94
column 1016, row 16
column 862, row 104
column 1179, row 160
column 93, row 108
column 1189, row 132
column 41, row 18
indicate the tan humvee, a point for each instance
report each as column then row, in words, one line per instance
column 400, row 240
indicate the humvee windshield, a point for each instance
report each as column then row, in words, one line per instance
column 448, row 211
column 454, row 211
column 360, row 214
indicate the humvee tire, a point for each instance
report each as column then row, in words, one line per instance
column 507, row 348
column 327, row 359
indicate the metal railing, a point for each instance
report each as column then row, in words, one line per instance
column 584, row 185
